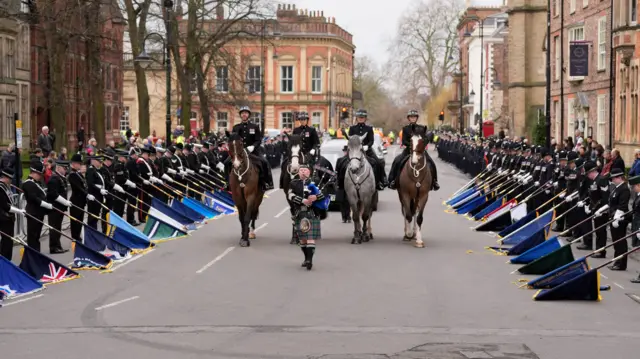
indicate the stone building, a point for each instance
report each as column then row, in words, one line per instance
column 586, row 98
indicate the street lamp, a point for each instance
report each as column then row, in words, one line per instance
column 468, row 34
column 144, row 60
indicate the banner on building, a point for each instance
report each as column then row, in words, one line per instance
column 578, row 59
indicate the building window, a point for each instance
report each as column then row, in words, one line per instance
column 575, row 34
column 585, row 3
column 634, row 103
column 222, row 79
column 571, row 114
column 556, row 116
column 633, row 11
column 24, row 54
column 10, row 109
column 286, row 79
column 255, row 118
column 602, row 123
column 602, row 43
column 124, row 120
column 222, row 121
column 10, row 60
column 316, row 119
column 254, row 78
column 316, row 79
column 107, row 118
column 286, row 119
column 24, row 106
column 558, row 67
column 572, row 6
column 554, row 5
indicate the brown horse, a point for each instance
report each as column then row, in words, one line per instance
column 245, row 188
column 414, row 185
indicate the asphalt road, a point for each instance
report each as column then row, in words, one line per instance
column 205, row 297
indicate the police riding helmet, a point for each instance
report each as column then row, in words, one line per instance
column 303, row 115
column 413, row 113
column 361, row 113
column 244, row 109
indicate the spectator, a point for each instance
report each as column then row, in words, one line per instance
column 8, row 159
column 578, row 135
column 37, row 153
column 617, row 160
column 608, row 162
column 80, row 138
column 159, row 143
column 91, row 148
column 635, row 167
column 44, row 141
column 53, row 155
column 112, row 145
column 48, row 165
column 129, row 134
column 146, row 143
column 63, row 154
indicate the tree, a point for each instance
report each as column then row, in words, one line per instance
column 426, row 44
column 437, row 104
column 369, row 80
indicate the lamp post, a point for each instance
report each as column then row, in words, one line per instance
column 467, row 34
column 145, row 61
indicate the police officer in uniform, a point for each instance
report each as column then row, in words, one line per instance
column 121, row 178
column 132, row 190
column 619, row 205
column 37, row 205
column 97, row 187
column 79, row 196
column 146, row 174
column 309, row 135
column 108, row 172
column 634, row 182
column 166, row 171
column 361, row 129
column 252, row 139
column 8, row 211
column 57, row 196
column 573, row 176
column 598, row 193
column 560, row 184
column 399, row 161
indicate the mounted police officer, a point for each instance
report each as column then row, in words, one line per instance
column 399, row 161
column 361, row 129
column 252, row 139
column 309, row 135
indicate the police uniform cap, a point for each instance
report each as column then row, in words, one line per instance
column 36, row 166
column 64, row 164
column 146, row 149
column 96, row 158
column 572, row 156
column 244, row 109
column 179, row 146
column 7, row 172
column 206, row 144
column 134, row 151
column 345, row 148
column 590, row 166
column 108, row 154
column 562, row 155
column 77, row 158
column 634, row 180
column 152, row 150
column 171, row 149
column 160, row 150
column 197, row 145
column 616, row 172
column 188, row 147
column 122, row 153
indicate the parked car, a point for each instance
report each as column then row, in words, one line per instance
column 332, row 150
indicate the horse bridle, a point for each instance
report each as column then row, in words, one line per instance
column 248, row 165
column 417, row 171
column 357, row 182
column 300, row 154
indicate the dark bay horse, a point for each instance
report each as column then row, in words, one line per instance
column 414, row 185
column 245, row 188
column 295, row 157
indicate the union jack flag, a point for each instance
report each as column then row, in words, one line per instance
column 56, row 274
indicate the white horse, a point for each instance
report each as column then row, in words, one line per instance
column 360, row 187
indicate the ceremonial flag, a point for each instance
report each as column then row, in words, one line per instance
column 84, row 258
column 560, row 275
column 43, row 268
column 104, row 245
column 519, row 235
column 171, row 213
column 470, row 198
column 517, row 224
column 157, row 230
column 495, row 223
column 534, row 240
column 490, row 208
column 461, row 196
column 224, row 196
column 15, row 282
column 137, row 244
column 218, row 205
column 538, row 251
column 471, row 205
column 119, row 223
column 549, row 262
column 209, row 213
column 586, row 286
column 187, row 212
column 166, row 219
column 506, row 207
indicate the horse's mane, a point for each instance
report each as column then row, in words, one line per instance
column 295, row 140
column 234, row 137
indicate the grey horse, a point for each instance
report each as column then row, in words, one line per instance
column 360, row 187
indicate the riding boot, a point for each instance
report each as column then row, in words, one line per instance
column 269, row 177
column 383, row 175
column 434, row 174
column 227, row 173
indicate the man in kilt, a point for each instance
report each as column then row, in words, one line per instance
column 310, row 207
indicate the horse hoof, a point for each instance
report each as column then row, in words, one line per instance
column 365, row 238
column 252, row 236
column 245, row 243
column 419, row 245
column 407, row 239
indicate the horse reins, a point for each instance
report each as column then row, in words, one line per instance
column 359, row 159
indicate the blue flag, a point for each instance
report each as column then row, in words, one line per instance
column 471, row 205
column 538, row 251
column 209, row 213
column 490, row 208
column 585, row 286
column 15, row 282
column 517, row 224
column 136, row 243
column 519, row 235
column 104, row 245
column 45, row 269
column 560, row 275
column 119, row 223
column 460, row 196
column 224, row 197
column 184, row 210
column 175, row 216
column 218, row 205
column 84, row 258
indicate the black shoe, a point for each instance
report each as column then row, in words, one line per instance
column 435, row 186
column 584, row 247
column 392, row 185
column 380, row 186
column 305, row 263
column 269, row 186
column 617, row 267
column 134, row 223
column 599, row 255
column 58, row 251
column 635, row 280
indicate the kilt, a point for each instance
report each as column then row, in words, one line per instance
column 307, row 226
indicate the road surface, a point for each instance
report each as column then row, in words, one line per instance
column 205, row 297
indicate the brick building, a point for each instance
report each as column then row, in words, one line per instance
column 586, row 98
column 308, row 67
column 78, row 108
column 626, row 130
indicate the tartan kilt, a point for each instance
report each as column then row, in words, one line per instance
column 314, row 228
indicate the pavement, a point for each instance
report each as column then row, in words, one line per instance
column 205, row 297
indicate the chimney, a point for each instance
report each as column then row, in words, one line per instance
column 220, row 11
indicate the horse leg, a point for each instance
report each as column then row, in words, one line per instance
column 369, row 230
column 418, row 228
column 357, row 234
column 252, row 227
column 366, row 221
column 408, row 219
column 241, row 218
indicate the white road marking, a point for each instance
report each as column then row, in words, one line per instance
column 618, row 285
column 22, row 300
column 117, row 303
column 272, row 191
column 635, row 297
column 604, row 276
column 282, row 212
column 260, row 227
column 131, row 260
column 216, row 259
